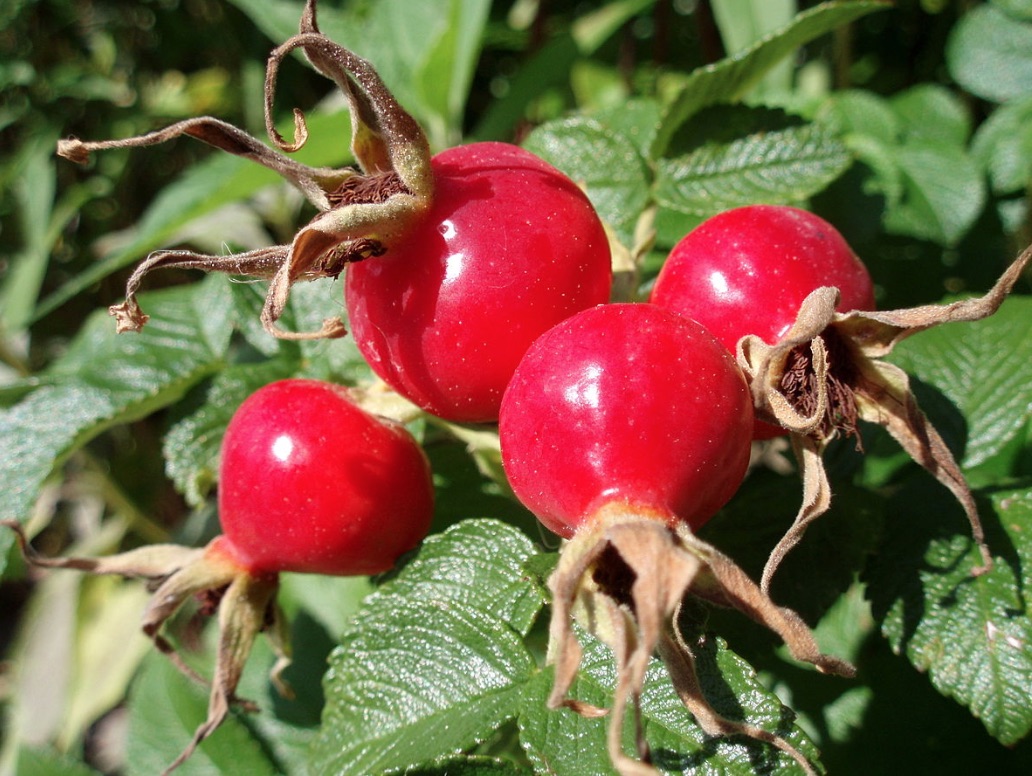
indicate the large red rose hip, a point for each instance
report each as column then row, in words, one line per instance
column 509, row 248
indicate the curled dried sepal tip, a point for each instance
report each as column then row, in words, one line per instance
column 624, row 578
column 827, row 373
column 362, row 212
column 246, row 607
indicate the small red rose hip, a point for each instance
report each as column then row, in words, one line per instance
column 510, row 247
column 747, row 271
column 628, row 404
column 311, row 483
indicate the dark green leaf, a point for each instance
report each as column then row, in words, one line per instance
column 435, row 661
column 990, row 54
column 984, row 369
column 781, row 166
column 470, row 766
column 105, row 379
column 970, row 634
column 565, row 744
column 730, row 78
column 604, row 161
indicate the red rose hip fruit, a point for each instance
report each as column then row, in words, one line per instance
column 509, row 248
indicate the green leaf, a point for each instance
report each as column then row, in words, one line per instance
column 563, row 743
column 729, row 79
column 165, row 709
column 990, row 54
column 970, row 635
column 601, row 159
column 943, row 192
column 105, row 379
column 41, row 762
column 435, row 661
column 1003, row 144
column 984, row 370
column 470, row 766
column 1019, row 9
column 929, row 111
column 780, row 166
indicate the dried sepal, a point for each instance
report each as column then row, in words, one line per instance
column 623, row 578
column 362, row 211
column 844, row 380
column 245, row 603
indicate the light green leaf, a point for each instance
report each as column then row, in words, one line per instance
column 729, row 79
column 39, row 762
column 778, row 167
column 944, row 192
column 105, row 379
column 563, row 743
column 435, row 661
column 930, row 111
column 858, row 112
column 971, row 635
column 165, row 709
column 1019, row 9
column 984, row 369
column 1003, row 144
column 603, row 161
column 990, row 54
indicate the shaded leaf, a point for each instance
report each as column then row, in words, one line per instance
column 730, row 78
column 971, row 635
column 470, row 766
column 566, row 744
column 985, row 371
column 105, row 379
column 435, row 660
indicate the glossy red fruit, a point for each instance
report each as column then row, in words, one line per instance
column 747, row 271
column 510, row 248
column 311, row 483
column 626, row 404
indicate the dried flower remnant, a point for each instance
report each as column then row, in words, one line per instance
column 625, row 580
column 828, row 372
column 362, row 211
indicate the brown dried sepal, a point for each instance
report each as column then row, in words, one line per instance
column 623, row 578
column 246, row 606
column 844, row 380
column 362, row 211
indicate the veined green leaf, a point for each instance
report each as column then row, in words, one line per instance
column 971, row 635
column 564, row 743
column 435, row 661
column 729, row 79
column 776, row 167
column 984, row 369
column 602, row 160
column 105, row 379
